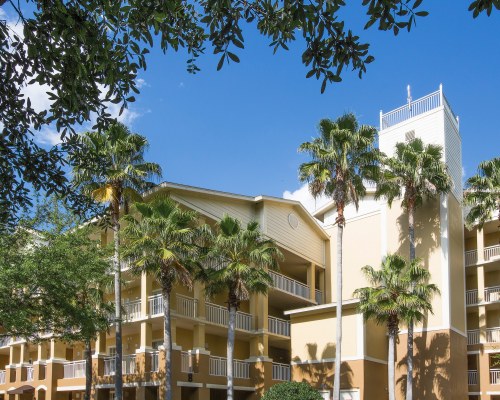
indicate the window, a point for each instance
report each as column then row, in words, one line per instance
column 112, row 351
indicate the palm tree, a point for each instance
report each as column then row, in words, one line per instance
column 399, row 290
column 160, row 241
column 483, row 193
column 415, row 172
column 241, row 259
column 343, row 157
column 109, row 167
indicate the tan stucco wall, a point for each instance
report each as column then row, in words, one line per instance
column 376, row 341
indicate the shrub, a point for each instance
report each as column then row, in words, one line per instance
column 292, row 391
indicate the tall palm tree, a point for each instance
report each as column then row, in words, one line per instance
column 242, row 258
column 483, row 193
column 399, row 290
column 343, row 158
column 109, row 167
column 160, row 240
column 415, row 173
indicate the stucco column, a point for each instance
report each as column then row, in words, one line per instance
column 480, row 284
column 321, row 284
column 199, row 295
column 24, row 353
column 311, row 281
column 100, row 343
column 482, row 324
column 57, row 350
column 259, row 346
column 146, row 342
column 146, row 291
column 259, row 309
column 480, row 246
column 199, row 336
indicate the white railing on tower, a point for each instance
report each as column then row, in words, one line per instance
column 472, row 377
column 218, row 367
column 289, row 285
column 186, row 361
column 29, row 374
column 471, row 297
column 470, row 258
column 74, row 369
column 281, row 372
column 128, row 365
column 414, row 108
column 155, row 304
column 2, row 377
column 154, row 361
column 473, row 336
column 278, row 326
column 219, row 315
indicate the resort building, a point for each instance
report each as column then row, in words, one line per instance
column 290, row 333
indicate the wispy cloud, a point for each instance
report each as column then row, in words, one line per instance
column 304, row 196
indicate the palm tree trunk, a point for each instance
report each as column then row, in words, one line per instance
column 118, row 303
column 167, row 343
column 390, row 361
column 409, row 347
column 230, row 350
column 88, row 370
column 338, row 342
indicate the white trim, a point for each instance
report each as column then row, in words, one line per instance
column 473, row 352
column 215, row 386
column 332, row 360
column 474, row 393
column 2, row 391
column 320, row 307
column 492, row 393
column 40, row 387
column 70, row 388
column 57, row 361
column 112, row 385
column 189, row 384
column 357, row 218
column 464, row 334
column 445, row 259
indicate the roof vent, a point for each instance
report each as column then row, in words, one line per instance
column 409, row 136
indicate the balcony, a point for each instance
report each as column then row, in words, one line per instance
column 2, row 377
column 278, row 326
column 471, row 297
column 186, row 362
column 292, row 286
column 155, row 361
column 281, row 372
column 219, row 315
column 490, row 254
column 218, row 367
column 132, row 310
column 74, row 369
column 186, row 306
column 471, row 377
column 473, row 337
column 495, row 376
column 5, row 341
column 128, row 365
column 493, row 335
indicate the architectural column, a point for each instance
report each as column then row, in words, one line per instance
column 482, row 324
column 146, row 291
column 480, row 246
column 199, row 327
column 321, row 284
column 100, row 344
column 259, row 309
column 39, row 364
column 311, row 281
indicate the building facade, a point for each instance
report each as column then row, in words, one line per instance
column 289, row 334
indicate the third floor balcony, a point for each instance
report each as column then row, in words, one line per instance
column 490, row 254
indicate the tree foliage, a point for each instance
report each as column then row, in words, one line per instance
column 292, row 391
column 87, row 55
column 483, row 193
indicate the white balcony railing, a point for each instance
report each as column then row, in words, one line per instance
column 495, row 376
column 186, row 362
column 492, row 294
column 2, row 377
column 281, row 372
column 471, row 297
column 491, row 252
column 417, row 107
column 29, row 374
column 473, row 336
column 289, row 285
column 5, row 340
column 187, row 306
column 74, row 369
column 128, row 365
column 278, row 326
column 219, row 315
column 493, row 335
column 319, row 296
column 155, row 361
column 472, row 377
column 132, row 310
column 155, row 304
column 218, row 367
column 470, row 258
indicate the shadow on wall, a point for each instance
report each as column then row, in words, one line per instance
column 320, row 374
column 431, row 367
column 427, row 231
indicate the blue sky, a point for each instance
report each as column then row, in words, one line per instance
column 238, row 129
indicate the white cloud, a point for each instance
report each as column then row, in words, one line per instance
column 48, row 136
column 304, row 196
column 141, row 83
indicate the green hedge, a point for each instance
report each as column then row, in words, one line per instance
column 292, row 391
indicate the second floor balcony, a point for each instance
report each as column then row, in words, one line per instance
column 491, row 295
column 218, row 367
column 74, row 369
column 490, row 253
column 128, row 365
